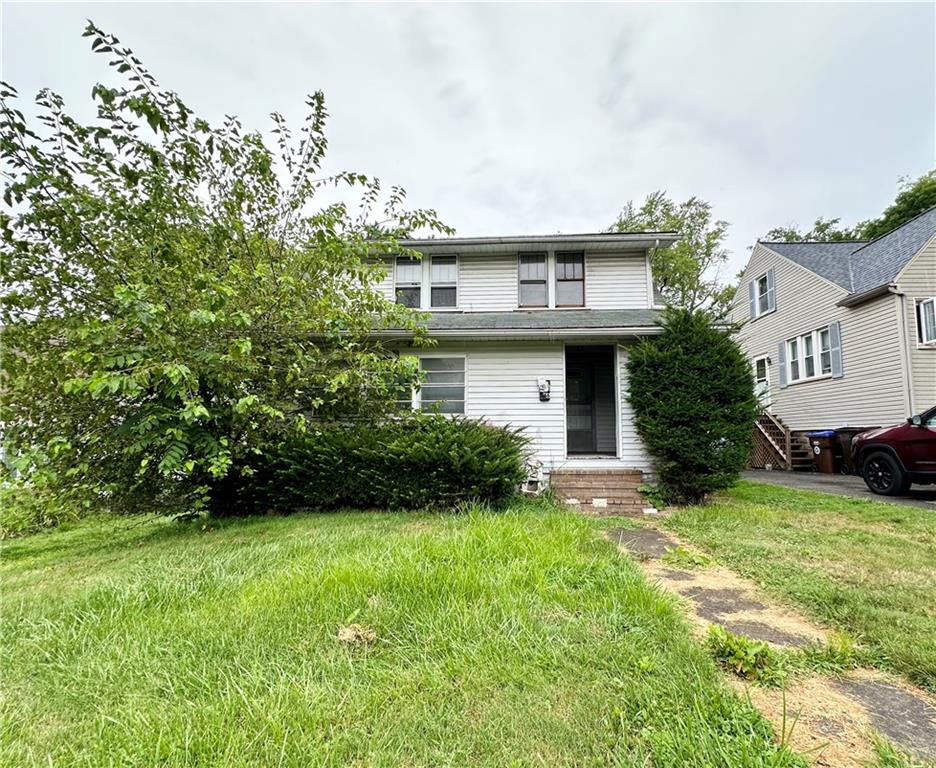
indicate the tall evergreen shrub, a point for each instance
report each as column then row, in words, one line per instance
column 692, row 391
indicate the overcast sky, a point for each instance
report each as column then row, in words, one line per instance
column 531, row 119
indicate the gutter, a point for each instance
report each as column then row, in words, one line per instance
column 522, row 333
column 854, row 299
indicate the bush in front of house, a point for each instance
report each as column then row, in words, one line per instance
column 692, row 391
column 414, row 462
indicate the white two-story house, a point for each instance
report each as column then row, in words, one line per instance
column 534, row 332
column 842, row 334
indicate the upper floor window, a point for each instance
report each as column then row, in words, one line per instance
column 926, row 321
column 762, row 294
column 408, row 276
column 443, row 289
column 533, row 280
column 570, row 280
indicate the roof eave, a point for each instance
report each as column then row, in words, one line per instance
column 587, row 242
column 524, row 333
column 854, row 299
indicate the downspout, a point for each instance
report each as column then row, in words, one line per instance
column 905, row 363
column 650, row 286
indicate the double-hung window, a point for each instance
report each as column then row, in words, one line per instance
column 443, row 384
column 443, row 288
column 926, row 321
column 533, row 280
column 408, row 288
column 763, row 295
column 570, row 279
column 809, row 356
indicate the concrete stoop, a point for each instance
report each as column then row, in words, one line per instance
column 831, row 720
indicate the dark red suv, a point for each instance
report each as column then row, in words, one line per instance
column 892, row 458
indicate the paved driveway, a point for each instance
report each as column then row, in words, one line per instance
column 923, row 496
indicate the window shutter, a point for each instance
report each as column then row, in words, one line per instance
column 835, row 344
column 751, row 299
column 771, row 291
column 781, row 363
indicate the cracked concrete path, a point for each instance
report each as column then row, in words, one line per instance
column 833, row 719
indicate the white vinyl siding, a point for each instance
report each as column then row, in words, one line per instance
column 488, row 283
column 631, row 451
column 616, row 281
column 501, row 387
column 871, row 390
column 491, row 282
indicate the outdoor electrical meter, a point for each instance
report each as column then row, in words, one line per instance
column 543, row 386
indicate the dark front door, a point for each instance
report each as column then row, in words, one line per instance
column 580, row 409
column 590, row 401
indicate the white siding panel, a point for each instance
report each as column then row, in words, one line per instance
column 632, row 452
column 917, row 281
column 487, row 283
column 873, row 390
column 385, row 286
column 616, row 280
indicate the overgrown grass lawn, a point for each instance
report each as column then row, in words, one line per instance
column 865, row 567
column 518, row 638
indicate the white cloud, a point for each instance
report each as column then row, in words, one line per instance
column 543, row 118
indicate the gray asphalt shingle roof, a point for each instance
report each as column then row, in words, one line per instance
column 543, row 319
column 880, row 261
column 830, row 260
column 859, row 266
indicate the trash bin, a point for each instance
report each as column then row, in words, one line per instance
column 845, row 436
column 824, row 445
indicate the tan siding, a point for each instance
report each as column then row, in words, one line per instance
column 616, row 281
column 918, row 280
column 873, row 389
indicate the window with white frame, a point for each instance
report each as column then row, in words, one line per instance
column 570, row 279
column 408, row 278
column 763, row 295
column 533, row 280
column 443, row 279
column 926, row 321
column 443, row 384
column 810, row 356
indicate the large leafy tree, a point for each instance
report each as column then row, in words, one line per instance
column 176, row 292
column 688, row 272
column 914, row 196
column 823, row 231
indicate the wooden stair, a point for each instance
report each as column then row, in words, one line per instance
column 600, row 491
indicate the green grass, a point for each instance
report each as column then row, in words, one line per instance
column 864, row 567
column 512, row 639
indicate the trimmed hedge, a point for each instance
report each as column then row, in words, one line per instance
column 415, row 462
column 692, row 391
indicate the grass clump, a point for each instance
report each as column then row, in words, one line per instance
column 680, row 557
column 351, row 638
column 751, row 659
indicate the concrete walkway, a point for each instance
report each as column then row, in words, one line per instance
column 836, row 716
column 922, row 496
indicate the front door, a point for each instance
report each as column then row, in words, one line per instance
column 762, row 381
column 591, row 425
column 580, row 405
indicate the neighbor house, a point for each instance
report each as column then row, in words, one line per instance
column 534, row 332
column 840, row 334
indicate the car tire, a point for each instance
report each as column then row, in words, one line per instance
column 883, row 474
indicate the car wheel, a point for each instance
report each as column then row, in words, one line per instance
column 884, row 475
